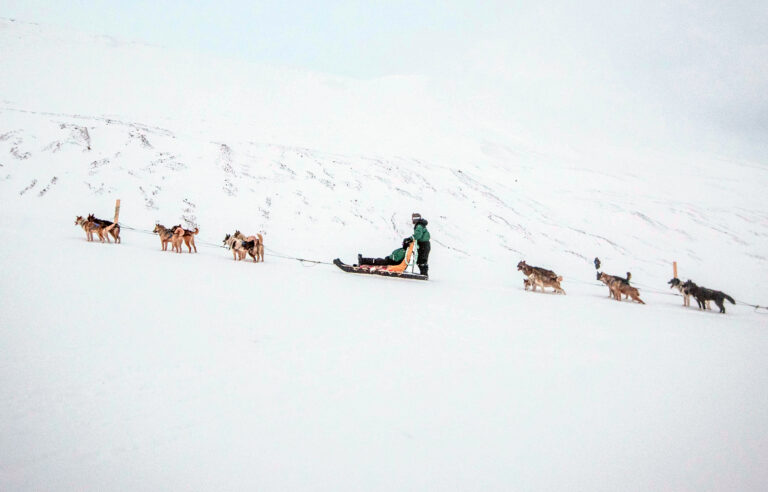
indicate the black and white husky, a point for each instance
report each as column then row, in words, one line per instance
column 704, row 295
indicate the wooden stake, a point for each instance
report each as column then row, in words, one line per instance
column 674, row 269
column 117, row 214
column 117, row 210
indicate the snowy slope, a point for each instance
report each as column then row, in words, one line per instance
column 128, row 368
column 496, row 210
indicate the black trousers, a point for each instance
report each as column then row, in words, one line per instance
column 423, row 258
column 379, row 261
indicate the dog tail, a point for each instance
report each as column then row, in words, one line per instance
column 196, row 231
column 560, row 278
column 261, row 238
column 629, row 276
column 729, row 298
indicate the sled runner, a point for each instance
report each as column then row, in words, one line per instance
column 377, row 271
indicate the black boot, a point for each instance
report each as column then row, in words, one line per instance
column 359, row 259
column 424, row 270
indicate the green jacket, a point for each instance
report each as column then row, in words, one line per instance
column 420, row 232
column 398, row 255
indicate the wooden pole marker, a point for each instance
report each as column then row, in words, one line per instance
column 117, row 214
column 117, row 210
column 674, row 269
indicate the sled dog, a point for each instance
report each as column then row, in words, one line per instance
column 166, row 235
column 675, row 283
column 619, row 286
column 108, row 227
column 187, row 235
column 236, row 245
column 540, row 277
column 90, row 228
column 528, row 270
column 253, row 244
column 702, row 295
column 607, row 279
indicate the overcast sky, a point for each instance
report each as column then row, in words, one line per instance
column 701, row 63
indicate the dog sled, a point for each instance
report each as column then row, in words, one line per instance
column 395, row 271
column 378, row 271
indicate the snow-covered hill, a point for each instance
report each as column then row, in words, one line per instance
column 128, row 368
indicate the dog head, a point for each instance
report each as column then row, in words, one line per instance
column 674, row 283
column 604, row 278
column 598, row 275
column 689, row 287
column 79, row 220
column 521, row 265
column 157, row 228
column 226, row 239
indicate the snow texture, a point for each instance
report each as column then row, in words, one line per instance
column 128, row 368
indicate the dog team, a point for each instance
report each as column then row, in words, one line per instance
column 242, row 245
column 702, row 294
column 99, row 227
column 253, row 246
column 176, row 235
column 620, row 286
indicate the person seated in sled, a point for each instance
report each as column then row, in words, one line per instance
column 395, row 258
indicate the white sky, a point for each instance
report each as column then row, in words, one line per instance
column 702, row 63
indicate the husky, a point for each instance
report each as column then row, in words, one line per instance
column 702, row 295
column 187, row 235
column 611, row 278
column 619, row 286
column 108, row 226
column 166, row 236
column 685, row 289
column 542, row 280
column 541, row 277
column 236, row 245
column 528, row 270
column 90, row 228
column 675, row 283
column 254, row 245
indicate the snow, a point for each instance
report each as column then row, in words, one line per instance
column 125, row 367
